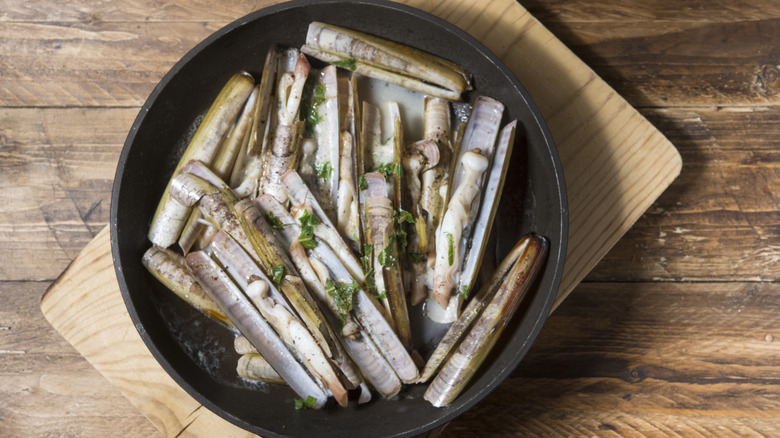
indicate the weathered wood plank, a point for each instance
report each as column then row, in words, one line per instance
column 719, row 219
column 46, row 387
column 89, row 59
column 92, row 64
column 645, row 359
column 711, row 11
column 681, row 64
column 56, row 172
column 86, row 11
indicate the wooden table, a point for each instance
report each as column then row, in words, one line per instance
column 672, row 333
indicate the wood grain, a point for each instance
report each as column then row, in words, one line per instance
column 651, row 352
column 87, row 55
column 718, row 220
column 661, row 378
column 45, row 383
column 56, row 171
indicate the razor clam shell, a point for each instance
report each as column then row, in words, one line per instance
column 240, row 266
column 170, row 269
column 488, row 326
column 242, row 345
column 249, row 322
column 327, row 133
column 479, row 136
column 488, row 208
column 248, row 211
column 296, row 335
column 362, row 350
column 302, row 199
column 170, row 216
column 253, row 366
column 254, row 146
column 474, row 307
column 376, row 57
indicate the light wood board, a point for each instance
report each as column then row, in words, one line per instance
column 615, row 164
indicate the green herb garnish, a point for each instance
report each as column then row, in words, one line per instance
column 323, row 170
column 310, row 402
column 342, row 294
column 308, row 222
column 278, row 273
column 389, row 169
column 450, row 257
column 464, row 291
column 274, row 221
column 386, row 257
column 316, row 97
column 362, row 184
column 346, row 63
column 400, row 215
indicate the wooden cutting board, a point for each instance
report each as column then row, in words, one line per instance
column 615, row 164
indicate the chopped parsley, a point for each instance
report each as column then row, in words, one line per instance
column 450, row 257
column 389, row 169
column 308, row 222
column 402, row 216
column 342, row 294
column 323, row 170
column 346, row 63
column 386, row 257
column 310, row 111
column 362, row 184
column 278, row 273
column 310, row 402
column 274, row 221
column 464, row 291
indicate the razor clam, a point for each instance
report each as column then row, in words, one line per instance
column 375, row 57
column 242, row 345
column 170, row 269
column 251, row 324
column 359, row 347
column 454, row 236
column 249, row 164
column 243, row 269
column 505, row 291
column 302, row 200
column 383, row 238
column 321, row 168
column 253, row 366
column 234, row 140
column 170, row 216
column 216, row 206
column 366, row 309
column 420, row 157
column 365, row 354
column 284, row 145
column 297, row 336
column 348, row 216
column 253, row 219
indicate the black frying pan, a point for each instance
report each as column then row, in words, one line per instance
column 197, row 352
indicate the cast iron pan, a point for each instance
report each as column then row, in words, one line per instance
column 197, row 352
